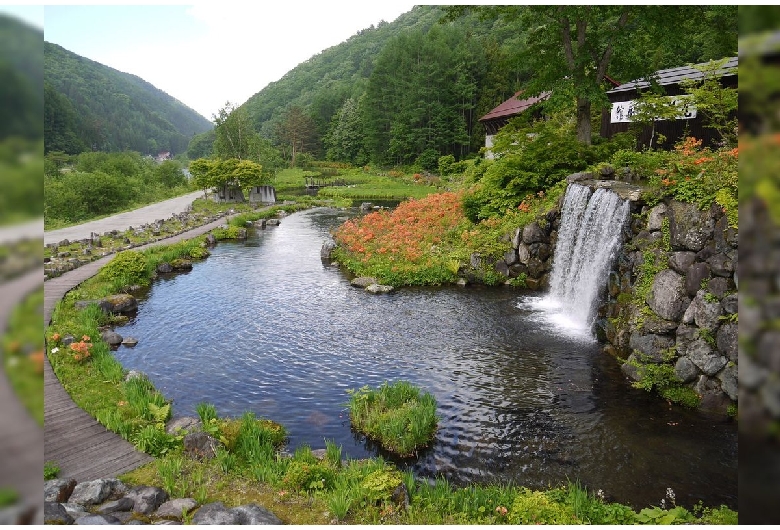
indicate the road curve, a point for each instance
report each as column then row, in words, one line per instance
column 121, row 221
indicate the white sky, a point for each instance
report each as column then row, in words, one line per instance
column 207, row 53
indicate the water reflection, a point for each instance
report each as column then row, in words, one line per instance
column 267, row 327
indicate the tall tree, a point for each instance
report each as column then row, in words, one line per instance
column 296, row 131
column 235, row 134
column 344, row 141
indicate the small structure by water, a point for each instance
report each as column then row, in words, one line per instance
column 262, row 195
column 589, row 235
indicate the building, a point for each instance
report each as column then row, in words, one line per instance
column 500, row 116
column 688, row 122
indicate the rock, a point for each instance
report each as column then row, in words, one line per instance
column 533, row 233
column 112, row 337
column 215, row 513
column 653, row 346
column 376, row 288
column 75, row 510
column 667, row 297
column 659, row 326
column 327, row 250
column 702, row 355
column 91, row 492
column 517, row 238
column 366, row 207
column 706, row 312
column 721, row 265
column 183, row 424
column 695, row 274
column 272, row 222
column 129, row 341
column 510, row 257
column 97, row 520
column 55, row 513
column 751, row 374
column 58, row 489
column 174, row 508
column 252, row 514
column 502, row 268
column 689, row 227
column 685, row 370
column 200, row 445
column 727, row 340
column 523, row 254
column 719, row 286
column 164, row 268
column 462, row 282
column 629, row 368
column 400, row 496
column 125, row 504
column 146, row 499
column 656, row 217
column 132, row 374
column 120, row 303
column 211, row 240
column 577, row 177
column 728, row 381
column 181, row 265
column 362, row 281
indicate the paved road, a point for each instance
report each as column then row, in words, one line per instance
column 121, row 221
column 26, row 230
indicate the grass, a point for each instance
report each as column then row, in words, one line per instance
column 50, row 470
column 398, row 416
column 22, row 353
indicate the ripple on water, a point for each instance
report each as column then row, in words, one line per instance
column 523, row 396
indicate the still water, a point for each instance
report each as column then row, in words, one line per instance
column 265, row 326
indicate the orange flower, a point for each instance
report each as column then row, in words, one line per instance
column 37, row 359
column 85, row 338
column 55, row 337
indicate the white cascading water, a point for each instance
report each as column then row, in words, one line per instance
column 588, row 236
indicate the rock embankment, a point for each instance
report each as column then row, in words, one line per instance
column 110, row 501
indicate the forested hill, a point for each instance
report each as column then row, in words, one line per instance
column 88, row 105
column 410, row 91
column 21, row 71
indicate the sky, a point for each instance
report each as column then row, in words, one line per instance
column 207, row 53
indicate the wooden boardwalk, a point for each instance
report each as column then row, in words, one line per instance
column 21, row 437
column 74, row 440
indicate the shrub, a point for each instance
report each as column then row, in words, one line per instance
column 399, row 417
column 307, row 476
column 50, row 470
column 127, row 268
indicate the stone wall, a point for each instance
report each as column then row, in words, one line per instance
column 671, row 299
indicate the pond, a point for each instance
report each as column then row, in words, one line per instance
column 265, row 326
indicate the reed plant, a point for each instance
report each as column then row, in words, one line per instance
column 398, row 416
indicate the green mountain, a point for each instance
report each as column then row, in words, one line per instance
column 21, row 69
column 88, row 105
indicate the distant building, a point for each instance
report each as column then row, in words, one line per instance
column 688, row 123
column 500, row 116
column 162, row 156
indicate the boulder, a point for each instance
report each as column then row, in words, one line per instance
column 656, row 217
column 578, row 177
column 252, row 514
column 146, row 499
column 92, row 520
column 200, row 445
column 523, row 253
column 533, row 233
column 55, row 513
column 327, row 250
column 721, row 265
column 58, row 489
column 376, row 288
column 181, row 265
column 727, row 340
column 728, row 381
column 112, row 337
column 652, row 346
column 119, row 303
column 702, row 355
column 164, row 268
column 174, row 508
column 75, row 510
column 211, row 240
column 689, row 227
column 667, row 297
column 91, row 492
column 183, row 424
column 719, row 286
column 216, row 513
column 706, row 312
column 695, row 274
column 685, row 370
column 129, row 341
column 125, row 504
column 362, row 281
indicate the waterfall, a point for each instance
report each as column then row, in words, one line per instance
column 589, row 234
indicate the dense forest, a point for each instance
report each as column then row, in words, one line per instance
column 413, row 90
column 89, row 106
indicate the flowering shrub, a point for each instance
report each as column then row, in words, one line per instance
column 403, row 246
column 700, row 176
column 81, row 349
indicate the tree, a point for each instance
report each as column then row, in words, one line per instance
column 296, row 130
column 571, row 49
column 217, row 173
column 344, row 141
column 235, row 136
